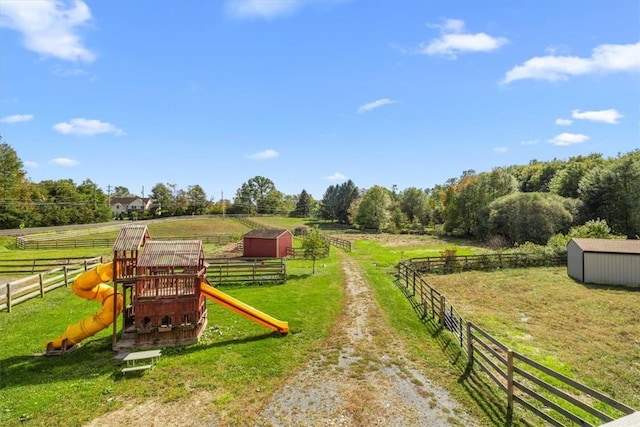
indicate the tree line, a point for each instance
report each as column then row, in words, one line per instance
column 519, row 203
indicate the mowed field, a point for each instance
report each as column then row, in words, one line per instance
column 588, row 332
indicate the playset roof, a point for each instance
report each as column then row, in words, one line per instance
column 131, row 237
column 171, row 253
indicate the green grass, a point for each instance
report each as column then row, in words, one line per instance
column 590, row 333
column 234, row 358
column 428, row 345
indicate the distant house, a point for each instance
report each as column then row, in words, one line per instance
column 127, row 205
column 267, row 243
column 604, row 261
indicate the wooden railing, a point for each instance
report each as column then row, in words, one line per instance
column 524, row 381
column 253, row 271
column 38, row 285
column 484, row 262
column 24, row 243
column 11, row 267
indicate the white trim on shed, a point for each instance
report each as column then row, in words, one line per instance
column 604, row 261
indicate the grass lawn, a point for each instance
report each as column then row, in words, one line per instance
column 233, row 364
column 587, row 332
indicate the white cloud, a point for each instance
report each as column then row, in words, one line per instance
column 265, row 155
column 500, row 149
column 563, row 122
column 17, row 118
column 336, row 177
column 568, row 139
column 86, row 127
column 375, row 104
column 606, row 116
column 261, row 8
column 31, row 165
column 49, row 27
column 606, row 58
column 64, row 161
column 530, row 142
column 455, row 40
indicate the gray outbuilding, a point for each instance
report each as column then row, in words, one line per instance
column 604, row 261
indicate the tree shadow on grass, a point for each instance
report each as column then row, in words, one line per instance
column 489, row 398
column 92, row 359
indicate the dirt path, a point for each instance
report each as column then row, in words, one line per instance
column 362, row 378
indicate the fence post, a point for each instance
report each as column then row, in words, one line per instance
column 509, row 385
column 469, row 346
column 413, row 293
column 40, row 278
column 9, row 297
column 85, row 265
column 442, row 304
column 33, row 267
column 66, row 276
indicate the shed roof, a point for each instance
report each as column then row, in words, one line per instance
column 131, row 237
column 608, row 245
column 265, row 233
column 171, row 253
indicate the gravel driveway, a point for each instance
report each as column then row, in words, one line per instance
column 362, row 378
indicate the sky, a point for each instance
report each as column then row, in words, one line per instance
column 309, row 94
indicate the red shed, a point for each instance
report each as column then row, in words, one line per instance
column 267, row 243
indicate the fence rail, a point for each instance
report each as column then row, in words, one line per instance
column 23, row 243
column 23, row 289
column 10, row 267
column 524, row 381
column 253, row 271
column 484, row 262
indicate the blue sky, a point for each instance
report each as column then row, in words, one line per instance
column 311, row 93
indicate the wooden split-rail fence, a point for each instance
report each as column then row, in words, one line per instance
column 554, row 397
column 37, row 285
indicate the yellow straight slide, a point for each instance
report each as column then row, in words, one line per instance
column 90, row 285
column 243, row 309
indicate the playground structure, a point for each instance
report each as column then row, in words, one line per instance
column 159, row 287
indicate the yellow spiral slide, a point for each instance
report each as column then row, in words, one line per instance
column 91, row 285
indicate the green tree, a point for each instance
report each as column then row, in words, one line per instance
column 413, row 203
column 17, row 194
column 304, row 206
column 120, row 191
column 197, row 199
column 251, row 197
column 612, row 192
column 315, row 245
column 163, row 200
column 337, row 202
column 94, row 201
column 530, row 217
column 374, row 209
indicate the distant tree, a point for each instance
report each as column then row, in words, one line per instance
column 373, row 211
column 163, row 201
column 120, row 191
column 197, row 199
column 567, row 180
column 251, row 197
column 413, row 203
column 304, row 207
column 272, row 203
column 612, row 192
column 182, row 203
column 315, row 245
column 337, row 201
column 530, row 217
column 16, row 192
column 95, row 204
